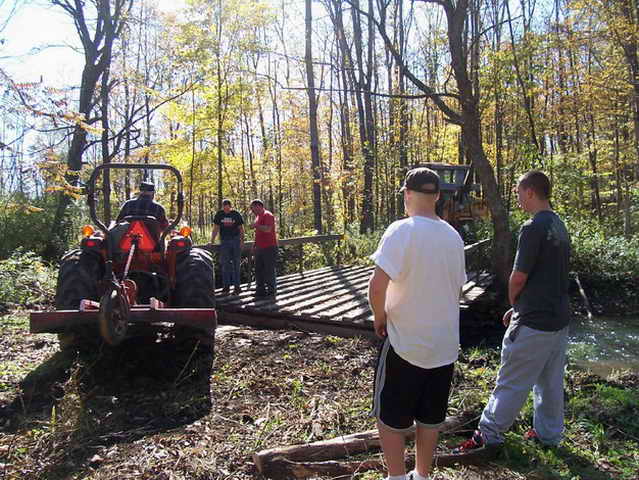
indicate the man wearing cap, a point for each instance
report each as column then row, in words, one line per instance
column 414, row 296
column 230, row 224
column 144, row 205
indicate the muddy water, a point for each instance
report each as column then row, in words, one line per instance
column 604, row 344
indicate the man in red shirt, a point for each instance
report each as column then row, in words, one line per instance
column 265, row 250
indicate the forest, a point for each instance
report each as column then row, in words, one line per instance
column 321, row 118
column 318, row 108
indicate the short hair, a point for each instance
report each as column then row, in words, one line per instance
column 226, row 201
column 538, row 182
column 257, row 201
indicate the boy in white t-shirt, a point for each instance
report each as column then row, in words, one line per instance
column 414, row 295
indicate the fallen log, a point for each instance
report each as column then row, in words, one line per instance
column 275, row 459
column 283, row 468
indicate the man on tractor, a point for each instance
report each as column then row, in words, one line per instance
column 144, row 205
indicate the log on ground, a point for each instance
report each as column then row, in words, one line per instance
column 273, row 461
column 283, row 468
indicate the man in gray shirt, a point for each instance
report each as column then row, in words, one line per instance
column 534, row 346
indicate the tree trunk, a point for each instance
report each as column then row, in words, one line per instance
column 312, row 117
column 97, row 45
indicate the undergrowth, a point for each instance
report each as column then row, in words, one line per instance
column 25, row 281
column 129, row 415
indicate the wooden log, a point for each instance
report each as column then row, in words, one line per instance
column 283, row 468
column 279, row 459
column 338, row 329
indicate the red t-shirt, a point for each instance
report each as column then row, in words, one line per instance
column 265, row 239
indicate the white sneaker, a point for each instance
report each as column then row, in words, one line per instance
column 413, row 475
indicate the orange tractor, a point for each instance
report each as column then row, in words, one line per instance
column 133, row 279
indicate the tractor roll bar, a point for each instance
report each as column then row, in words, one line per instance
column 91, row 200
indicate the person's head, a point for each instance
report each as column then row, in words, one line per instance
column 226, row 205
column 147, row 189
column 421, row 190
column 257, row 206
column 533, row 191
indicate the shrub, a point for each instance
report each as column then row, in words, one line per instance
column 25, row 281
column 26, row 223
column 599, row 257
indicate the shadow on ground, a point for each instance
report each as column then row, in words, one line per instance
column 99, row 397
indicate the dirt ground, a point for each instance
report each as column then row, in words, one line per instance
column 153, row 411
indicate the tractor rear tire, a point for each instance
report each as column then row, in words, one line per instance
column 194, row 288
column 195, row 280
column 78, row 278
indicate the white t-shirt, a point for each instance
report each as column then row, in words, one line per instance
column 425, row 260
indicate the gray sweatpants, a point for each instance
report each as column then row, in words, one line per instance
column 529, row 359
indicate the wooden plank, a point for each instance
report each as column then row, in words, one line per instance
column 293, row 277
column 293, row 291
column 364, row 310
column 309, row 295
column 291, row 323
column 358, row 301
column 468, row 249
column 313, row 275
column 309, row 284
column 332, row 297
column 312, row 303
column 290, row 287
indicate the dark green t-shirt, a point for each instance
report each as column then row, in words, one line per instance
column 543, row 252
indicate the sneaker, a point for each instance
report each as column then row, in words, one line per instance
column 413, row 475
column 531, row 436
column 473, row 443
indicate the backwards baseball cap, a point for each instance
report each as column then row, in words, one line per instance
column 422, row 180
column 147, row 187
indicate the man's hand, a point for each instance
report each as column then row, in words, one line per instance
column 379, row 323
column 507, row 316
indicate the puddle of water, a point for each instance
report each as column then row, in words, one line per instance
column 604, row 344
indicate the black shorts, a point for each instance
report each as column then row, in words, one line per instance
column 405, row 394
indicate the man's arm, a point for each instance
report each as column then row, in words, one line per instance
column 241, row 229
column 264, row 227
column 161, row 217
column 516, row 285
column 216, row 229
column 123, row 211
column 377, row 286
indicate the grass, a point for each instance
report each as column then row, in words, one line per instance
column 121, row 414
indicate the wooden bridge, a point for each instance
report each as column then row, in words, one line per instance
column 331, row 300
